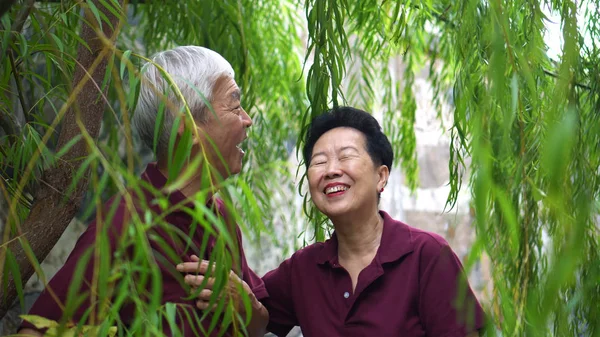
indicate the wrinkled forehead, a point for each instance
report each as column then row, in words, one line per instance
column 225, row 88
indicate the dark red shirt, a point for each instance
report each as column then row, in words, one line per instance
column 176, row 226
column 410, row 289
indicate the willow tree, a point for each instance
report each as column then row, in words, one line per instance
column 526, row 123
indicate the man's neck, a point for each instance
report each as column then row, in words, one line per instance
column 194, row 183
column 358, row 236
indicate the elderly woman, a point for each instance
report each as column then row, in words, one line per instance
column 375, row 276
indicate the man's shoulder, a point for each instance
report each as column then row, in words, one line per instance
column 115, row 213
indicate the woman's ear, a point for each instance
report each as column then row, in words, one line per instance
column 384, row 174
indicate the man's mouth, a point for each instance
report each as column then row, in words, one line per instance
column 239, row 147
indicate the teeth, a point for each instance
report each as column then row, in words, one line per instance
column 336, row 188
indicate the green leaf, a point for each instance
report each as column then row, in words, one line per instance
column 124, row 61
column 68, row 146
column 95, row 11
column 58, row 43
column 13, row 267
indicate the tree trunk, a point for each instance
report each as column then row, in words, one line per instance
column 52, row 209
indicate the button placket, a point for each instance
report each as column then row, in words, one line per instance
column 371, row 273
column 345, row 283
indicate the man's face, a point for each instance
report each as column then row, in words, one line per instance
column 226, row 128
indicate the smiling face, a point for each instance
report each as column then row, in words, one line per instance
column 225, row 128
column 343, row 179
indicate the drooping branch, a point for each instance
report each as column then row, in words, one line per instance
column 443, row 18
column 50, row 214
column 22, row 17
column 580, row 85
column 20, row 90
column 9, row 125
column 5, row 6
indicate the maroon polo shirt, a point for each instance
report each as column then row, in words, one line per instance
column 410, row 289
column 170, row 234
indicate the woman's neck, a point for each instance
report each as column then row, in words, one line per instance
column 358, row 236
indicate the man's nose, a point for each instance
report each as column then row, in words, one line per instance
column 246, row 119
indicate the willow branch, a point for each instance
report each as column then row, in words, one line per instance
column 20, row 90
column 577, row 84
column 22, row 17
column 452, row 25
column 50, row 215
column 5, row 6
column 7, row 124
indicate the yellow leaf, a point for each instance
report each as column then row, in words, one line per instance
column 39, row 322
column 52, row 328
column 86, row 330
column 53, row 332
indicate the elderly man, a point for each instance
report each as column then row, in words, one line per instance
column 212, row 136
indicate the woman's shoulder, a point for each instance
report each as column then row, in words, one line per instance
column 425, row 243
column 302, row 260
column 310, row 252
column 426, row 238
column 431, row 247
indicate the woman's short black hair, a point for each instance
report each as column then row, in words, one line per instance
column 378, row 145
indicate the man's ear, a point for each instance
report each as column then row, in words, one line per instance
column 184, row 123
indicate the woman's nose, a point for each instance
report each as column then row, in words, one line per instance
column 333, row 169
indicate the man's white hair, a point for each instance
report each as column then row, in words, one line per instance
column 194, row 70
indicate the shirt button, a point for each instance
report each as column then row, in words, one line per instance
column 346, row 294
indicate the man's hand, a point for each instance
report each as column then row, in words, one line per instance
column 198, row 269
column 29, row 332
column 197, row 275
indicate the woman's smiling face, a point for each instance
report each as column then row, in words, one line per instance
column 342, row 176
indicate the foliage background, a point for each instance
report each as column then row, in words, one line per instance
column 525, row 133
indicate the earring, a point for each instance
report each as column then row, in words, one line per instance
column 381, row 190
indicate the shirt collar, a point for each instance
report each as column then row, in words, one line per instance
column 175, row 197
column 396, row 242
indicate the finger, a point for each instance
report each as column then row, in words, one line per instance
column 194, row 258
column 203, row 294
column 197, row 280
column 205, row 305
column 200, row 267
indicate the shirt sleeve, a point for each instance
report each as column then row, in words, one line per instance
column 50, row 306
column 448, row 307
column 282, row 316
column 249, row 276
column 78, row 271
